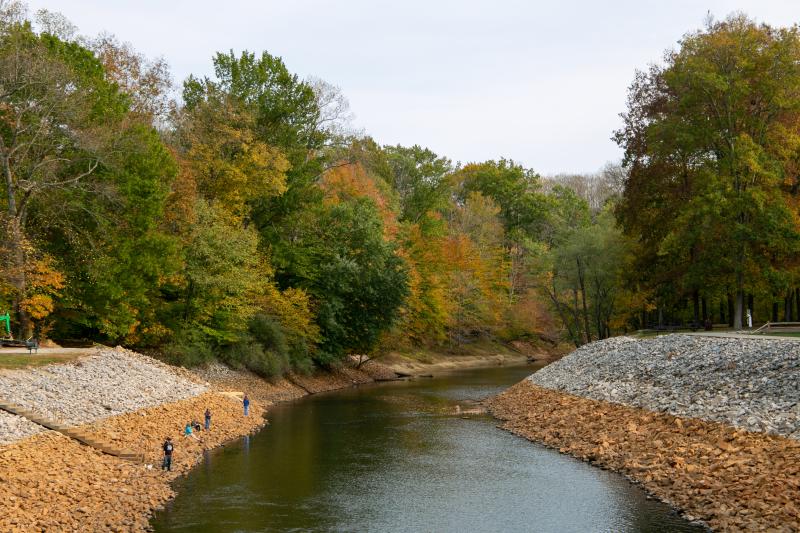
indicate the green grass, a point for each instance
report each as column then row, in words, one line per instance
column 781, row 334
column 15, row 361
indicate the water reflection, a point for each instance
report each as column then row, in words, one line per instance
column 394, row 458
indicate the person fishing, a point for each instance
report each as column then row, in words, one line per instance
column 208, row 419
column 168, row 448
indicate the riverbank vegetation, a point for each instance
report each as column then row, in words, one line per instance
column 245, row 220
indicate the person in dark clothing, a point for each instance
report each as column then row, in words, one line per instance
column 208, row 419
column 168, row 447
column 246, row 404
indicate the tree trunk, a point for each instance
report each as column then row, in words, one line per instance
column 721, row 311
column 705, row 309
column 787, row 308
column 774, row 311
column 18, row 280
column 576, row 316
column 16, row 250
column 599, row 324
column 751, row 307
column 562, row 314
column 696, row 306
column 797, row 303
column 738, row 311
column 730, row 310
column 583, row 299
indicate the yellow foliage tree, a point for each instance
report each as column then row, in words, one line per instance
column 230, row 165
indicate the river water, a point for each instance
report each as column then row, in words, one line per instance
column 394, row 457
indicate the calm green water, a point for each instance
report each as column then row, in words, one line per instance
column 391, row 457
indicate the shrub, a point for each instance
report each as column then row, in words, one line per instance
column 188, row 348
column 250, row 354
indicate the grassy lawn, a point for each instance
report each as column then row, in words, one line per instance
column 781, row 334
column 14, row 360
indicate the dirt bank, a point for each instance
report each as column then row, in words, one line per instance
column 292, row 386
column 387, row 367
column 731, row 479
column 443, row 362
column 478, row 355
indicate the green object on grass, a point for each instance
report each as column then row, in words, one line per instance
column 7, row 320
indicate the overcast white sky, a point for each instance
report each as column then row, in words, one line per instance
column 541, row 82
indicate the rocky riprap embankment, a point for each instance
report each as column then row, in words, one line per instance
column 751, row 383
column 112, row 382
column 52, row 483
column 731, row 479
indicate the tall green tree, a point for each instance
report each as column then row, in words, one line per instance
column 709, row 137
column 76, row 166
column 419, row 177
column 108, row 237
column 286, row 116
column 355, row 277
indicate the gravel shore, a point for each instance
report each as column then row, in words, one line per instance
column 750, row 383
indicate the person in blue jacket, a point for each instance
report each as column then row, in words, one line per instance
column 246, row 404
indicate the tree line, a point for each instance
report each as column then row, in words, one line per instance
column 245, row 221
column 702, row 223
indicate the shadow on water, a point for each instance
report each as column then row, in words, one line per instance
column 393, row 457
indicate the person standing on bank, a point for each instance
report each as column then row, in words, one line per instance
column 246, row 404
column 167, row 463
column 208, row 419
